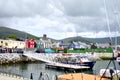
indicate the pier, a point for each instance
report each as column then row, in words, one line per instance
column 4, row 76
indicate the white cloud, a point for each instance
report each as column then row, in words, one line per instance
column 60, row 18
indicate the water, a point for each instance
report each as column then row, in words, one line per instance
column 27, row 68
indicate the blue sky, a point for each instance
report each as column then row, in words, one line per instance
column 62, row 18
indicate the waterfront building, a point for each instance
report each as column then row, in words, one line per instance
column 44, row 42
column 79, row 45
column 12, row 44
column 55, row 44
column 103, row 45
column 30, row 43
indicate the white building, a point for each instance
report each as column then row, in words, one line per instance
column 45, row 42
column 55, row 45
column 102, row 45
column 12, row 44
column 80, row 45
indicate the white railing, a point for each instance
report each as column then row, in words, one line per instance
column 45, row 57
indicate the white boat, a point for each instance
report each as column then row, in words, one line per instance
column 75, row 59
column 108, row 72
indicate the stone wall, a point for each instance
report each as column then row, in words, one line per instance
column 13, row 58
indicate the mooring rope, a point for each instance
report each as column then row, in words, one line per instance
column 43, row 76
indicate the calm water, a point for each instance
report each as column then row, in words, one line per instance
column 26, row 69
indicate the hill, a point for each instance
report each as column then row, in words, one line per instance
column 93, row 40
column 7, row 32
column 104, row 40
column 70, row 39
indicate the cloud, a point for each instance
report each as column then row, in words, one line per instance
column 61, row 18
column 82, row 8
column 23, row 8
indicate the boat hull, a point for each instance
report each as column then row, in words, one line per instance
column 89, row 64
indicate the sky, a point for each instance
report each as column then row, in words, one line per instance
column 61, row 19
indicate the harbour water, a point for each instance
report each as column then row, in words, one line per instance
column 25, row 69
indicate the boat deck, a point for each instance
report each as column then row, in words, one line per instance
column 80, row 76
column 65, row 66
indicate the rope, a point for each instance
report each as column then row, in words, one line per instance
column 54, row 77
column 46, row 74
column 107, row 18
column 42, row 76
column 105, row 70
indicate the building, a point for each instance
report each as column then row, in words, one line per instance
column 79, row 45
column 30, row 43
column 55, row 44
column 12, row 44
column 44, row 42
column 103, row 45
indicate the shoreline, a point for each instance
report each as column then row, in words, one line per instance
column 12, row 58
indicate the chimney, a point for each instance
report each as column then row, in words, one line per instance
column 44, row 36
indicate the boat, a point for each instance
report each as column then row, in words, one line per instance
column 75, row 59
column 118, row 58
column 108, row 73
column 80, row 76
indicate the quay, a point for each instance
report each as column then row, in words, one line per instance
column 65, row 66
column 4, row 76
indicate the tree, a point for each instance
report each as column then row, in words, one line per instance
column 12, row 36
column 93, row 46
column 6, row 44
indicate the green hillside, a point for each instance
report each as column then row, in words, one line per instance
column 93, row 40
column 8, row 32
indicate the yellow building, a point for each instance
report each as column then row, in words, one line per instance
column 12, row 44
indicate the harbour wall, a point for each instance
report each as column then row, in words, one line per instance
column 6, row 58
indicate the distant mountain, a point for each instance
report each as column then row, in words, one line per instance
column 104, row 40
column 6, row 32
column 93, row 40
column 70, row 39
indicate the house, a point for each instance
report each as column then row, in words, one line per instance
column 79, row 45
column 12, row 44
column 103, row 45
column 44, row 42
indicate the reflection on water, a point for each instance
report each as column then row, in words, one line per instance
column 27, row 68
column 103, row 65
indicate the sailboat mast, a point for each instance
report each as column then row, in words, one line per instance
column 107, row 18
